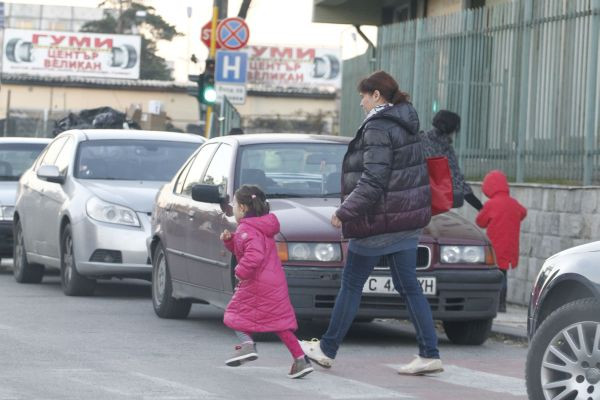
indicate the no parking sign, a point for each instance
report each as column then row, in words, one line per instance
column 233, row 33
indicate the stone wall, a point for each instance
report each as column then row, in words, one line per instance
column 559, row 217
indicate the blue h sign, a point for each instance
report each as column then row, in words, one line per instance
column 232, row 66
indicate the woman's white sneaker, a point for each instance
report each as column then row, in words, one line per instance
column 422, row 366
column 312, row 349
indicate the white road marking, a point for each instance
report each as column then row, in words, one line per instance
column 320, row 384
column 475, row 379
column 189, row 390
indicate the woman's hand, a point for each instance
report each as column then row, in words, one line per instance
column 226, row 235
column 335, row 221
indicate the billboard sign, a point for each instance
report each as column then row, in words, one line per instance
column 294, row 67
column 64, row 54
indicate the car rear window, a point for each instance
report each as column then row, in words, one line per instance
column 128, row 159
column 293, row 169
column 15, row 158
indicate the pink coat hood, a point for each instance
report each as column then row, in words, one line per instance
column 261, row 301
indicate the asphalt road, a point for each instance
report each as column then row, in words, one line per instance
column 112, row 346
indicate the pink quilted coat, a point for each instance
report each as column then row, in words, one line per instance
column 261, row 302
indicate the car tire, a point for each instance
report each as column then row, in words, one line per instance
column 24, row 271
column 584, row 313
column 165, row 305
column 470, row 333
column 71, row 281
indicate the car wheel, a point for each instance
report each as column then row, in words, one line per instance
column 72, row 282
column 165, row 305
column 563, row 360
column 23, row 271
column 472, row 333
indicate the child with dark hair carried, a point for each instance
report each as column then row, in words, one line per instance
column 261, row 301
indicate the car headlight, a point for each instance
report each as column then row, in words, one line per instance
column 111, row 213
column 321, row 252
column 464, row 255
column 7, row 213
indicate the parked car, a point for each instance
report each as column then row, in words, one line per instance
column 84, row 206
column 16, row 155
column 301, row 176
column 563, row 360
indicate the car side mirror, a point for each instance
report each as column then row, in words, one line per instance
column 50, row 173
column 207, row 194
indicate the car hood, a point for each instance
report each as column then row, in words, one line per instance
column 8, row 193
column 309, row 220
column 137, row 195
column 585, row 248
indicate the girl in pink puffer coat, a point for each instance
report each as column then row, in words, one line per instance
column 261, row 301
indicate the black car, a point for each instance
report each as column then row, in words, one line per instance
column 563, row 361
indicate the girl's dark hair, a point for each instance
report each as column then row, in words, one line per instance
column 254, row 198
column 386, row 85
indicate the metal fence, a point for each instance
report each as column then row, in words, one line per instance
column 522, row 75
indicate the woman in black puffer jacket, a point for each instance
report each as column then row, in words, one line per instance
column 386, row 204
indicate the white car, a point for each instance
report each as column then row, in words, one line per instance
column 84, row 207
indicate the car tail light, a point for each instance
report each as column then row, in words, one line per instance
column 490, row 257
column 282, row 251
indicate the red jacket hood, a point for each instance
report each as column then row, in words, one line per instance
column 495, row 182
column 267, row 224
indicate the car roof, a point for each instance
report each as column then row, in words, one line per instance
column 265, row 138
column 136, row 134
column 25, row 140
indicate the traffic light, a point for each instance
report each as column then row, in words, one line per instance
column 208, row 93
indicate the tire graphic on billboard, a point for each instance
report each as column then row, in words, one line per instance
column 18, row 51
column 125, row 57
column 326, row 67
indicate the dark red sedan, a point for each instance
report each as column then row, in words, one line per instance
column 301, row 176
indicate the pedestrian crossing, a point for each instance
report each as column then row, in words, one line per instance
column 269, row 382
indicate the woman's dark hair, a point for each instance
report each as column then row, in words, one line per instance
column 386, row 85
column 255, row 199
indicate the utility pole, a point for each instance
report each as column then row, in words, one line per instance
column 211, row 56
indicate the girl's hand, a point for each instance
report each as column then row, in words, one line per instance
column 226, row 235
column 335, row 221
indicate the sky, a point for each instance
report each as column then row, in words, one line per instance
column 271, row 22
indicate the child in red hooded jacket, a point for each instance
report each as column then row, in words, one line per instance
column 502, row 216
column 261, row 302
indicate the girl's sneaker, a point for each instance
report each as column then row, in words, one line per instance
column 243, row 353
column 300, row 368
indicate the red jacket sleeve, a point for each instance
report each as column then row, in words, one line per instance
column 523, row 212
column 483, row 218
column 229, row 244
column 253, row 255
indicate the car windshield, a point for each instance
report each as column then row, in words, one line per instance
column 129, row 159
column 15, row 158
column 293, row 169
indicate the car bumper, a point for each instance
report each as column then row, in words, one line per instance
column 126, row 244
column 461, row 295
column 6, row 239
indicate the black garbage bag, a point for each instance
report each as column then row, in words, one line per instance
column 95, row 118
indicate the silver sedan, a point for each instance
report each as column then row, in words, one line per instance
column 84, row 206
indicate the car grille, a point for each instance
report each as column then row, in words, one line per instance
column 107, row 256
column 423, row 260
column 395, row 302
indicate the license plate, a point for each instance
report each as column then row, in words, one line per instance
column 385, row 285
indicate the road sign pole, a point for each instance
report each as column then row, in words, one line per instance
column 211, row 54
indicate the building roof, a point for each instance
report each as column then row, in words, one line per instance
column 154, row 85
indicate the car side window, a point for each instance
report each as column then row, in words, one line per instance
column 218, row 170
column 181, row 178
column 197, row 168
column 52, row 151
column 65, row 156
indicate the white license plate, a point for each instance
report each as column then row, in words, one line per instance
column 385, row 285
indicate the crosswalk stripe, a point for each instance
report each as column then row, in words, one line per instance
column 321, row 384
column 475, row 379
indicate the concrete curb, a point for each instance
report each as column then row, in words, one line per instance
column 510, row 331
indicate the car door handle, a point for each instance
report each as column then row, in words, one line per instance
column 191, row 214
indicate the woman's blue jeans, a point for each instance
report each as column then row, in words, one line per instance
column 358, row 268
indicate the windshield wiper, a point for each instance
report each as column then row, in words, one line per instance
column 286, row 195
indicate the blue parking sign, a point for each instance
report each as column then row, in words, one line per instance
column 231, row 66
